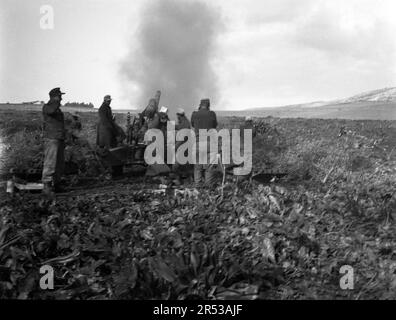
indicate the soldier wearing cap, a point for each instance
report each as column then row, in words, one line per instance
column 182, row 121
column 162, row 123
column 163, row 118
column 204, row 118
column 248, row 124
column 108, row 131
column 159, row 121
column 54, row 142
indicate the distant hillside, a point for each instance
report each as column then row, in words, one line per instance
column 78, row 105
column 373, row 105
column 381, row 95
column 351, row 111
column 37, row 107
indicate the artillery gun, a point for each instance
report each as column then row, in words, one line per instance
column 131, row 152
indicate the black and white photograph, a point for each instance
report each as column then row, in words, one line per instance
column 203, row 155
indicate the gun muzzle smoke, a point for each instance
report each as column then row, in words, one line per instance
column 172, row 51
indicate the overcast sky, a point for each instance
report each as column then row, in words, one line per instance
column 267, row 52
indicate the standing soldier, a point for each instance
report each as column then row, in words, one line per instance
column 159, row 121
column 248, row 125
column 182, row 123
column 54, row 142
column 107, row 131
column 163, row 120
column 204, row 118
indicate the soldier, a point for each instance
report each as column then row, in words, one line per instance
column 248, row 125
column 163, row 120
column 162, row 125
column 54, row 142
column 108, row 131
column 182, row 123
column 159, row 121
column 249, row 122
column 204, row 118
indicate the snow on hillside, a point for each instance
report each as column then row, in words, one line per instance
column 381, row 95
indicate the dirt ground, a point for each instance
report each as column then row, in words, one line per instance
column 284, row 240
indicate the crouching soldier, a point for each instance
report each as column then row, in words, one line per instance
column 54, row 142
column 249, row 125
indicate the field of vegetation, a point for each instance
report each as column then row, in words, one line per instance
column 284, row 240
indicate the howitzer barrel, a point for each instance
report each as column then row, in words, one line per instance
column 153, row 104
column 157, row 98
column 138, row 124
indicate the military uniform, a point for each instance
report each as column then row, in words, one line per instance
column 204, row 119
column 248, row 124
column 54, row 141
column 159, row 121
column 183, row 123
column 108, row 131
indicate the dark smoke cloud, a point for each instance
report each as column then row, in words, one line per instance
column 172, row 52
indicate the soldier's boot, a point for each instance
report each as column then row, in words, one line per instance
column 175, row 177
column 48, row 188
column 117, row 172
column 59, row 189
column 163, row 180
column 177, row 181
